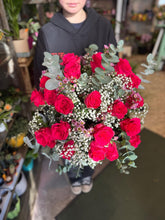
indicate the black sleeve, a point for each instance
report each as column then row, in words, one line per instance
column 39, row 57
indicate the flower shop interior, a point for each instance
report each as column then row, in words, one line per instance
column 30, row 186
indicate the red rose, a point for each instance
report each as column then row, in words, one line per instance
column 50, row 96
column 93, row 100
column 72, row 70
column 43, row 136
column 119, row 110
column 63, row 104
column 123, row 67
column 135, row 80
column 68, row 151
column 51, row 143
column 103, row 134
column 60, row 131
column 96, row 61
column 112, row 152
column 135, row 141
column 37, row 98
column 70, row 57
column 43, row 81
column 97, row 152
column 134, row 101
column 131, row 126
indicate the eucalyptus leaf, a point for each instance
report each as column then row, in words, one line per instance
column 107, row 66
column 51, row 84
column 114, row 59
column 129, row 147
column 131, row 157
column 64, row 170
column 132, row 164
column 100, row 71
column 105, row 58
column 142, row 79
column 112, row 47
column 120, row 45
column 95, row 81
column 35, row 146
column 103, row 79
column 93, row 47
column 121, row 92
column 83, row 79
column 141, row 87
column 55, row 156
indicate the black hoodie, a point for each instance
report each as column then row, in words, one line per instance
column 59, row 35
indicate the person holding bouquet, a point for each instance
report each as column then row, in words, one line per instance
column 72, row 30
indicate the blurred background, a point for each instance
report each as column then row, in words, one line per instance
column 43, row 193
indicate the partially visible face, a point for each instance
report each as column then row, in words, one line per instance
column 72, row 6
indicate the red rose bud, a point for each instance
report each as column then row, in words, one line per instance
column 119, row 110
column 103, row 134
column 93, row 100
column 131, row 126
column 43, row 136
column 96, row 61
column 60, row 131
column 135, row 141
column 63, row 104
column 68, row 151
column 37, row 98
column 97, row 152
column 112, row 152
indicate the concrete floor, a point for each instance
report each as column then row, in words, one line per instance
column 54, row 192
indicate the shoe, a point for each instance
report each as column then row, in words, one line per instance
column 87, row 184
column 76, row 188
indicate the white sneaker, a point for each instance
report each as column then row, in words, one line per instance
column 76, row 188
column 87, row 184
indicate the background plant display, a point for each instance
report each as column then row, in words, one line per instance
column 89, row 109
column 10, row 101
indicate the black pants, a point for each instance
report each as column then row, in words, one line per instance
column 77, row 175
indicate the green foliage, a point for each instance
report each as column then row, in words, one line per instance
column 51, row 154
column 149, row 69
column 13, row 8
column 54, row 70
column 83, row 79
column 20, row 125
column 92, row 49
column 35, row 146
column 63, row 168
column 109, row 56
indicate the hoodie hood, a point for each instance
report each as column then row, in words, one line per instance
column 60, row 21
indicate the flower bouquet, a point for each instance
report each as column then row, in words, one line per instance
column 89, row 109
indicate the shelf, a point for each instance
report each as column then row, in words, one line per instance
column 10, row 188
column 3, row 135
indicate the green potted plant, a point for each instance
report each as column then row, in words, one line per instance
column 13, row 8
